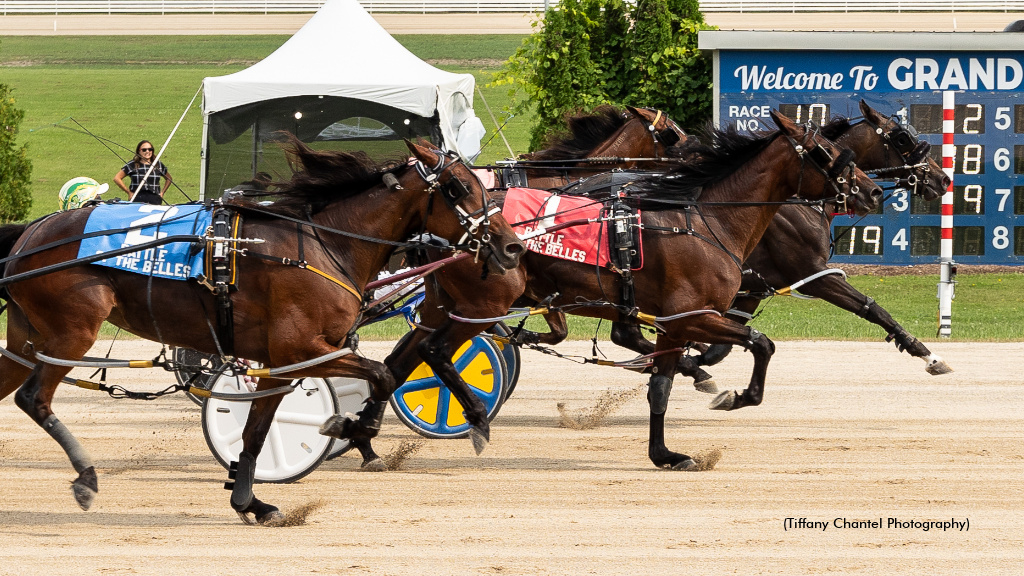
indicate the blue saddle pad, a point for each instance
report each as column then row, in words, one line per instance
column 172, row 260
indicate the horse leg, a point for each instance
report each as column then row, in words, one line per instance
column 558, row 331
column 835, row 290
column 629, row 336
column 742, row 311
column 243, row 471
column 13, row 373
column 436, row 349
column 659, row 388
column 35, row 396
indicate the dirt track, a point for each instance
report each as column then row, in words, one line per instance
column 847, row 430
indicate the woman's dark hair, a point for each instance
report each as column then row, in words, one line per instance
column 137, row 160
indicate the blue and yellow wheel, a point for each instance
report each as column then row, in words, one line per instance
column 426, row 406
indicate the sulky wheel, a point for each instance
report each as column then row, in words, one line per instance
column 294, row 446
column 511, row 354
column 426, row 406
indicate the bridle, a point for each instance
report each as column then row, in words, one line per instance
column 666, row 137
column 906, row 143
column 839, row 171
column 454, row 191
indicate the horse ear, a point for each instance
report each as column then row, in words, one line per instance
column 635, row 112
column 422, row 153
column 870, row 113
column 786, row 126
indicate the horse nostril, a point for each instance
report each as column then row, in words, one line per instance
column 514, row 249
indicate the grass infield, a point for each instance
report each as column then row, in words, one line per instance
column 126, row 88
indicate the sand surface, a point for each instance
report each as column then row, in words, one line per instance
column 847, row 430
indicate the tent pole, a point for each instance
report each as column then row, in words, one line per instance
column 495, row 120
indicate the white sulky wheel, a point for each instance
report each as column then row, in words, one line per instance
column 294, row 445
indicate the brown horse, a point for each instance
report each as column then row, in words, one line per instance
column 632, row 139
column 693, row 251
column 796, row 245
column 596, row 142
column 341, row 217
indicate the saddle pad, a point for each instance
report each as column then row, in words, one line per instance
column 578, row 243
column 176, row 260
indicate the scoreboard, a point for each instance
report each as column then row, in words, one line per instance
column 814, row 75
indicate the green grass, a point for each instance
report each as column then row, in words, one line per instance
column 127, row 88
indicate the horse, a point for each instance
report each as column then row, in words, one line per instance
column 336, row 222
column 637, row 138
column 595, row 142
column 797, row 244
column 693, row 250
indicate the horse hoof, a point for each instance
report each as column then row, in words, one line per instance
column 335, row 427
column 245, row 518
column 706, row 386
column 373, row 465
column 724, row 401
column 479, row 440
column 687, row 465
column 85, row 488
column 271, row 519
column 938, row 367
column 83, row 495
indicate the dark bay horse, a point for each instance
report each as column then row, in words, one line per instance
column 693, row 251
column 342, row 215
column 797, row 244
column 596, row 142
column 630, row 139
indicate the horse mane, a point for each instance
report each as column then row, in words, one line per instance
column 585, row 132
column 719, row 153
column 319, row 178
column 836, row 127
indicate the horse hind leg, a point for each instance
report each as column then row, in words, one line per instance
column 34, row 399
column 630, row 337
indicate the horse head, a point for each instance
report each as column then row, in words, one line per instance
column 832, row 164
column 664, row 131
column 477, row 223
column 899, row 148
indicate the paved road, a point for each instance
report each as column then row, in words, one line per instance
column 83, row 24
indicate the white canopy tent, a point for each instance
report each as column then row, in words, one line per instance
column 340, row 77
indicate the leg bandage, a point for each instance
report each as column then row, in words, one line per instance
column 80, row 459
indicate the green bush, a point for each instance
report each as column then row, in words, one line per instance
column 15, row 167
column 592, row 52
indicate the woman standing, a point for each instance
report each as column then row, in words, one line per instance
column 150, row 190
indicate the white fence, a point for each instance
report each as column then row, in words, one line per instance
column 478, row 6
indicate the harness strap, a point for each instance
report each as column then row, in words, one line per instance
column 863, row 312
column 303, row 265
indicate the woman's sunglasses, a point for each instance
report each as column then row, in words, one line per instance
column 145, row 149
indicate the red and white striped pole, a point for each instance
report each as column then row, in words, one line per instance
column 947, row 274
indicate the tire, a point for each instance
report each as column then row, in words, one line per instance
column 511, row 354
column 294, row 446
column 426, row 406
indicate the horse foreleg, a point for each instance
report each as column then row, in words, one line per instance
column 835, row 290
column 659, row 389
column 437, row 349
column 630, row 337
column 243, row 472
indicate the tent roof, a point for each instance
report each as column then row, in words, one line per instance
column 341, row 51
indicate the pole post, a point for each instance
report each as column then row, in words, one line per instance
column 947, row 267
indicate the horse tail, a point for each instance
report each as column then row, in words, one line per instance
column 9, row 234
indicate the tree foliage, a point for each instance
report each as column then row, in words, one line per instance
column 15, row 167
column 592, row 52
